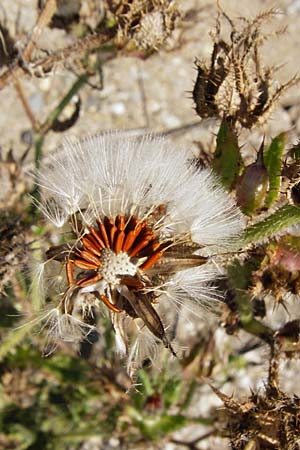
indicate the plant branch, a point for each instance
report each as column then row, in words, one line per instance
column 44, row 66
column 26, row 106
column 43, row 20
column 275, row 223
column 192, row 445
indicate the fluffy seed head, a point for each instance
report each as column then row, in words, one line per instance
column 139, row 211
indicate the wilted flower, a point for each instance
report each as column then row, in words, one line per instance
column 152, row 31
column 139, row 212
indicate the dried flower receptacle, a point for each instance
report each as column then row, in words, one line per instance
column 139, row 213
column 235, row 84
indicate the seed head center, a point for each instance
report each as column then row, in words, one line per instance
column 114, row 266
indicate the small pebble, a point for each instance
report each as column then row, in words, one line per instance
column 118, row 108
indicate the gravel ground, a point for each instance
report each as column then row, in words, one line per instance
column 151, row 94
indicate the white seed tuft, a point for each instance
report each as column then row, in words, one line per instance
column 115, row 176
column 115, row 265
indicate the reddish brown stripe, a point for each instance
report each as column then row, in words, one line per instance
column 152, row 260
column 69, row 271
column 85, row 265
column 120, row 222
column 131, row 223
column 87, row 281
column 94, row 241
column 139, row 246
column 112, row 233
column 84, row 254
column 87, row 243
column 104, row 234
column 155, row 246
column 140, row 226
column 145, row 234
column 133, row 235
column 129, row 240
column 110, row 305
column 119, row 241
column 151, row 248
column 96, row 235
column 132, row 282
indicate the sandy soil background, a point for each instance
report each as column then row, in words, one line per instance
column 155, row 93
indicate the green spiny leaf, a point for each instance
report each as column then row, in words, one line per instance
column 171, row 392
column 146, row 383
column 239, row 275
column 14, row 338
column 281, row 219
column 239, row 280
column 273, row 162
column 227, row 158
column 189, row 395
column 153, row 427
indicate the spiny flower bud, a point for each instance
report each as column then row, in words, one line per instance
column 252, row 185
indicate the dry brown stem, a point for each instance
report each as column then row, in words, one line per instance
column 45, row 65
column 26, row 105
column 43, row 20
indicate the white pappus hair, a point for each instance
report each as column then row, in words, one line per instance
column 124, row 184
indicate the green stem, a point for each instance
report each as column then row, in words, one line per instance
column 38, row 150
column 273, row 163
column 258, row 329
column 64, row 102
column 281, row 219
column 248, row 322
column 208, row 421
column 189, row 395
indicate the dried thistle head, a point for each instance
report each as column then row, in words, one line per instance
column 144, row 24
column 267, row 420
column 235, row 84
column 291, row 173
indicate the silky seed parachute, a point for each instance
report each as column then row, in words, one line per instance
column 138, row 211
